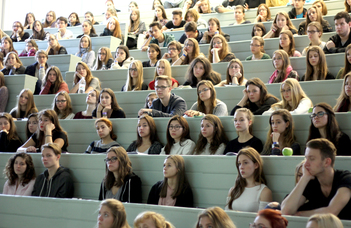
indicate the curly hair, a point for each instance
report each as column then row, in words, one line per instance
column 28, row 175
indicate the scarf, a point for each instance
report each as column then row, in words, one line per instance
column 275, row 75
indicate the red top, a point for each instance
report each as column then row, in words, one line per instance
column 152, row 83
column 46, row 89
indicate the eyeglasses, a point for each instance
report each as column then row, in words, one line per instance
column 218, row 43
column 188, row 45
column 260, row 10
column 133, row 69
column 234, row 67
column 318, row 114
column 100, row 53
column 311, row 31
column 16, row 26
column 204, row 90
column 285, row 90
column 60, row 101
column 172, row 49
column 49, row 15
column 176, row 127
column 255, row 45
column 112, row 160
column 161, row 87
column 260, row 225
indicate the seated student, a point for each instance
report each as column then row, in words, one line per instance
column 104, row 129
column 90, row 17
column 62, row 105
column 153, row 54
column 174, row 189
column 18, row 33
column 263, row 13
column 109, row 13
column 243, row 120
column 256, row 97
column 108, row 106
column 49, row 131
column 168, row 104
column 32, row 125
column 7, row 46
column 212, row 138
column 214, row 217
column 173, row 4
column 178, row 137
column 174, row 49
column 193, row 15
column 1, row 60
column 113, row 28
column 29, row 21
column 214, row 28
column 30, row 49
column 92, row 102
column 160, row 15
column 132, row 6
column 177, row 23
column 38, row 69
column 219, row 50
column 56, row 181
column 316, row 68
column 298, row 10
column 163, row 67
column 314, row 15
column 4, row 93
column 73, row 20
column 20, row 173
column 235, row 74
column 250, row 193
column 283, row 69
column 149, row 99
column 25, row 105
column 135, row 28
column 324, row 220
column 88, row 29
column 84, row 76
column 147, row 139
column 281, row 134
column 39, row 32
column 270, row 218
column 228, row 5
column 201, row 69
column 314, row 30
column 320, row 4
column 135, row 78
column 104, row 60
column 347, row 68
column 13, row 65
column 191, row 51
column 207, row 102
column 258, row 30
column 122, row 58
column 112, row 207
column 156, row 3
column 53, row 82
column 120, row 182
column 85, row 51
column 152, row 219
column 9, row 139
column 156, row 36
column 293, row 98
column 274, row 3
column 257, row 49
column 339, row 42
column 325, row 188
column 50, row 20
column 325, row 125
column 63, row 32
column 54, row 47
column 281, row 23
column 203, row 7
column 239, row 15
column 191, row 31
column 287, row 43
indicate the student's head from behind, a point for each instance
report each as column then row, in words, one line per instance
column 154, row 52
column 321, row 6
column 256, row 90
column 280, row 60
column 104, row 128
column 163, row 86
column 174, row 49
column 320, row 154
column 112, row 214
column 151, row 219
column 149, row 99
column 324, row 221
column 192, row 15
column 190, row 30
column 249, row 164
column 177, row 17
column 270, row 218
column 243, row 120
column 50, row 155
column 20, row 165
column 214, row 217
column 342, row 22
column 8, row 125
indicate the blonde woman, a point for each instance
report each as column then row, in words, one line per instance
column 152, row 219
column 135, row 78
column 281, row 23
column 343, row 102
column 163, row 67
column 25, row 105
column 214, row 217
column 324, row 221
column 293, row 98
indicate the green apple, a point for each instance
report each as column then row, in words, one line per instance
column 287, row 151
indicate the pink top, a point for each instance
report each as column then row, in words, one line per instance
column 168, row 200
column 296, row 54
column 20, row 191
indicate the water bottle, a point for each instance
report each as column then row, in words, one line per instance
column 81, row 88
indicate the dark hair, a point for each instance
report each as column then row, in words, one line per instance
column 153, row 130
column 35, row 115
column 2, row 77
column 92, row 30
column 261, row 26
column 118, row 211
column 274, row 217
column 28, row 175
column 38, row 35
column 291, row 50
column 344, row 15
column 185, row 135
column 126, row 50
column 67, row 110
column 264, row 95
column 326, row 148
column 177, row 12
column 155, row 23
column 164, row 16
column 12, row 134
column 190, row 27
column 269, row 17
column 114, row 103
column 62, row 19
column 347, row 67
column 175, row 43
column 26, row 22
column 157, row 48
column 59, row 79
column 209, row 74
column 108, row 124
column 78, row 21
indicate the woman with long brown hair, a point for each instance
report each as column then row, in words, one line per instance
column 108, row 106
column 53, row 82
column 283, row 68
column 219, row 50
column 314, row 15
column 62, row 105
column 112, row 214
column 135, row 78
column 104, row 59
column 25, row 105
column 50, row 20
column 9, row 139
column 84, row 77
column 343, row 102
column 214, row 28
column 13, row 64
column 18, row 33
column 281, row 23
column 54, row 47
column 191, row 50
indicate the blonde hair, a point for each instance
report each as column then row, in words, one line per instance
column 326, row 220
column 218, row 217
column 288, row 23
column 223, row 52
column 158, row 219
column 129, row 83
column 322, row 68
column 30, row 106
column 98, row 63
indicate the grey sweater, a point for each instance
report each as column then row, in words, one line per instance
column 176, row 106
column 219, row 110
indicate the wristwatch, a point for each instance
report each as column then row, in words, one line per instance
column 275, row 144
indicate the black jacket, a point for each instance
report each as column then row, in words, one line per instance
column 62, row 51
column 30, row 70
column 131, row 189
column 19, row 70
column 339, row 47
column 198, row 38
column 59, row 186
column 185, row 199
column 176, row 106
column 107, row 32
column 292, row 13
column 9, row 145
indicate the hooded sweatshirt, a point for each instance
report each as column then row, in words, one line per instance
column 59, row 186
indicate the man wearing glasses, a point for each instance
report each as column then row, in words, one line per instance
column 326, row 189
column 167, row 104
column 174, row 49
